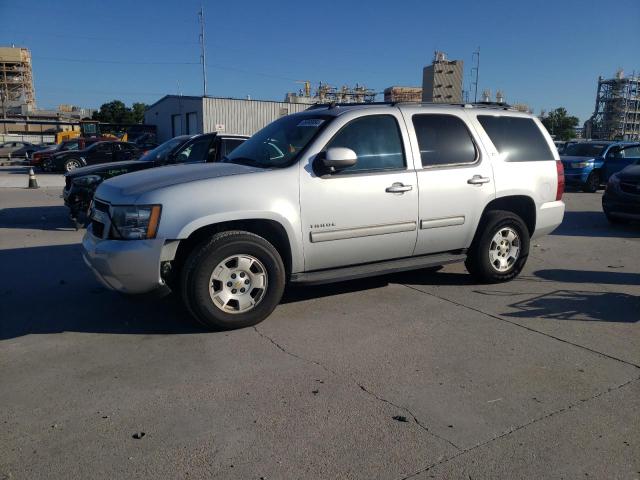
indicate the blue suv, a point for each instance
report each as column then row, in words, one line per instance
column 590, row 164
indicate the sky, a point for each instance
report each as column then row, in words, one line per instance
column 544, row 53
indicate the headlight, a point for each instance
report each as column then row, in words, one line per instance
column 581, row 164
column 87, row 180
column 614, row 181
column 135, row 222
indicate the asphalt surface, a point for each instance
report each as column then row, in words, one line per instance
column 420, row 375
column 18, row 177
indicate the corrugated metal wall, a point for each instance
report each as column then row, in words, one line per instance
column 243, row 117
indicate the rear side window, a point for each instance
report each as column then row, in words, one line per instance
column 443, row 140
column 376, row 141
column 518, row 139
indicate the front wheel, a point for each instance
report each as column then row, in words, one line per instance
column 234, row 280
column 500, row 249
column 72, row 164
column 593, row 183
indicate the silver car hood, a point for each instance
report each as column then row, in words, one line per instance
column 137, row 183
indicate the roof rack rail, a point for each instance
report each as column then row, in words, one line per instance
column 347, row 104
column 504, row 106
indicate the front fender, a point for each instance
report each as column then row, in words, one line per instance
column 287, row 219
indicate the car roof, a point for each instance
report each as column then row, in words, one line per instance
column 336, row 109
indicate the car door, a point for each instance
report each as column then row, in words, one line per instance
column 197, row 150
column 455, row 181
column 101, row 153
column 367, row 212
column 619, row 157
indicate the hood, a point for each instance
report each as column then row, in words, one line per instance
column 630, row 174
column 137, row 183
column 102, row 168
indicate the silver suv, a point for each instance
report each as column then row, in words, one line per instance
column 333, row 193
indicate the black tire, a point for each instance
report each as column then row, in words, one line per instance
column 200, row 264
column 478, row 261
column 72, row 164
column 592, row 184
column 613, row 220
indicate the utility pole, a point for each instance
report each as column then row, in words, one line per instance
column 203, row 56
column 476, row 55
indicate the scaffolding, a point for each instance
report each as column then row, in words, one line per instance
column 617, row 111
column 326, row 93
column 16, row 81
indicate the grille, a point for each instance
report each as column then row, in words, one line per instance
column 98, row 228
column 629, row 187
column 103, row 207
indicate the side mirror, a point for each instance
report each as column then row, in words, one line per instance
column 337, row 158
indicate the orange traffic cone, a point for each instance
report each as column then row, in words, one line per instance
column 33, row 183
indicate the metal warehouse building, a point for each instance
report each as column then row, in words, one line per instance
column 179, row 115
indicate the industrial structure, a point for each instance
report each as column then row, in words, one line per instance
column 325, row 93
column 179, row 115
column 403, row 94
column 16, row 81
column 442, row 80
column 617, row 110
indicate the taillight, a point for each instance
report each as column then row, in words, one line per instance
column 560, row 190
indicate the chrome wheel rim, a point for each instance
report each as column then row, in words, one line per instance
column 72, row 165
column 238, row 284
column 504, row 249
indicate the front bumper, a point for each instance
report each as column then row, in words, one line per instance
column 127, row 266
column 578, row 177
column 549, row 217
column 621, row 205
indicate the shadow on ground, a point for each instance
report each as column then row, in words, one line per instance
column 46, row 290
column 37, row 218
column 588, row 276
column 579, row 305
column 594, row 224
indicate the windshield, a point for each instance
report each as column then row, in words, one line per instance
column 278, row 144
column 584, row 149
column 162, row 151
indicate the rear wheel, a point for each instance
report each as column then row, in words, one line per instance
column 593, row 183
column 234, row 280
column 500, row 249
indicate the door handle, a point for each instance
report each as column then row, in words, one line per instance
column 398, row 188
column 478, row 180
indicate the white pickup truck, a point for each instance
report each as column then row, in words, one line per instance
column 336, row 192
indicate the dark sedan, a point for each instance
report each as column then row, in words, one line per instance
column 621, row 199
column 99, row 152
column 81, row 183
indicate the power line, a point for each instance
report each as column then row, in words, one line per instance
column 118, row 62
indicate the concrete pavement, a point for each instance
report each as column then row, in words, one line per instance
column 419, row 375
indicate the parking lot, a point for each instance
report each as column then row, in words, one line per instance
column 416, row 375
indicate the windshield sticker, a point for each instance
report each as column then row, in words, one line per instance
column 311, row 122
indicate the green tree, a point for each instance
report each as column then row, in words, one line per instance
column 117, row 112
column 137, row 112
column 559, row 124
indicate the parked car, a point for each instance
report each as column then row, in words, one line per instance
column 81, row 183
column 17, row 149
column 590, row 164
column 38, row 158
column 98, row 152
column 332, row 193
column 621, row 199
